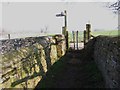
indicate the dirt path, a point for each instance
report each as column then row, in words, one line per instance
column 73, row 70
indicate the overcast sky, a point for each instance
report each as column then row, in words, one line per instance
column 31, row 17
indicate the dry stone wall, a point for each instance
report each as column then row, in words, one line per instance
column 26, row 60
column 107, row 57
column 106, row 53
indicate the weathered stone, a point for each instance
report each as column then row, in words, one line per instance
column 25, row 61
column 106, row 53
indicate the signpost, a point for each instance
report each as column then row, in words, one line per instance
column 64, row 28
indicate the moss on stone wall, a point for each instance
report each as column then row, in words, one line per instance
column 25, row 61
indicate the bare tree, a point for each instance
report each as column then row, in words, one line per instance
column 46, row 29
column 41, row 30
column 115, row 7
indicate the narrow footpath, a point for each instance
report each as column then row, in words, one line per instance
column 73, row 70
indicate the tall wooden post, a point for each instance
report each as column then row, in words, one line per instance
column 77, row 39
column 84, row 37
column 65, row 12
column 73, row 38
column 88, row 26
column 67, row 42
column 66, row 32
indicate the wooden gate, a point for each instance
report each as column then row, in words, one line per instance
column 75, row 40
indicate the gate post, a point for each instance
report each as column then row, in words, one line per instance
column 88, row 26
column 73, row 38
column 77, row 39
column 84, row 37
column 67, row 42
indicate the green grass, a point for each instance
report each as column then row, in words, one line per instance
column 94, row 33
column 106, row 33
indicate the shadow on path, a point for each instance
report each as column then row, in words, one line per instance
column 73, row 70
